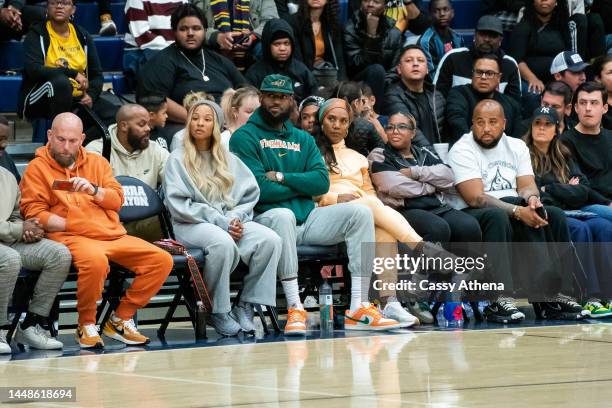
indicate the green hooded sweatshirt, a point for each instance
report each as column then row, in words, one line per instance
column 291, row 151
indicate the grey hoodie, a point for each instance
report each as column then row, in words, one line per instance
column 11, row 223
column 187, row 204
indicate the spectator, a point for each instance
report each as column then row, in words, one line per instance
column 493, row 171
column 408, row 16
column 157, row 106
column 236, row 25
column 350, row 183
column 363, row 135
column 371, row 46
column 149, row 32
column 16, row 19
column 369, row 110
column 558, row 96
column 590, row 144
column 602, row 70
column 563, row 185
column 278, row 45
column 23, row 243
column 439, row 38
column 132, row 154
column 454, row 67
column 569, row 68
column 187, row 66
column 188, row 100
column 319, row 40
column 86, row 220
column 61, row 66
column 6, row 160
column 290, row 171
column 238, row 106
column 543, row 33
column 414, row 181
column 414, row 95
column 308, row 111
column 211, row 194
column 462, row 100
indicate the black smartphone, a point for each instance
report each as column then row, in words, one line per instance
column 541, row 211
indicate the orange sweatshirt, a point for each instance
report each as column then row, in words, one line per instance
column 352, row 179
column 84, row 217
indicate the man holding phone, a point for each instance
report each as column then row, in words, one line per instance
column 85, row 218
column 23, row 243
column 493, row 175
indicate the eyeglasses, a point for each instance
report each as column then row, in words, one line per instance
column 478, row 73
column 400, row 128
column 58, row 3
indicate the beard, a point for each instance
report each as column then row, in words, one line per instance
column 64, row 160
column 277, row 119
column 137, row 143
column 489, row 145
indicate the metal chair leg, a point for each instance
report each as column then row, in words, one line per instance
column 262, row 318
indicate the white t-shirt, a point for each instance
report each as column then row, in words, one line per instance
column 498, row 167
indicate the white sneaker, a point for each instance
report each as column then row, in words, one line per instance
column 395, row 311
column 108, row 28
column 5, row 348
column 36, row 337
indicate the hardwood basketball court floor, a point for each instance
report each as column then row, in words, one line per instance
column 541, row 364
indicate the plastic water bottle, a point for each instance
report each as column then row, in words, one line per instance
column 440, row 316
column 453, row 313
column 326, row 308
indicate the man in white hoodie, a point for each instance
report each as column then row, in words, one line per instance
column 133, row 155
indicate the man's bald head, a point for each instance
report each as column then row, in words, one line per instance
column 488, row 123
column 133, row 128
column 126, row 112
column 65, row 138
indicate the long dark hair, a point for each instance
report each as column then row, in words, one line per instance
column 329, row 17
column 559, row 20
column 327, row 150
column 555, row 160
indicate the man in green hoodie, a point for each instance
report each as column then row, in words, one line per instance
column 290, row 171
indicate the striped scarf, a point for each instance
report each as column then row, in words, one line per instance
column 240, row 21
column 241, row 15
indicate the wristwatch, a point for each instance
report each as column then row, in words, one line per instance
column 280, row 177
column 95, row 186
column 407, row 2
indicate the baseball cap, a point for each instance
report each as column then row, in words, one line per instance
column 277, row 83
column 567, row 60
column 490, row 23
column 548, row 113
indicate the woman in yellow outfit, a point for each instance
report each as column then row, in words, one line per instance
column 350, row 181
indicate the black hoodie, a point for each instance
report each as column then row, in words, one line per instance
column 304, row 83
column 35, row 47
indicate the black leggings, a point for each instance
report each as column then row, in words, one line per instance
column 48, row 99
column 450, row 226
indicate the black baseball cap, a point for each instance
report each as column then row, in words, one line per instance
column 548, row 113
column 490, row 23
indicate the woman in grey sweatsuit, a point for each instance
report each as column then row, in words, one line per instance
column 211, row 195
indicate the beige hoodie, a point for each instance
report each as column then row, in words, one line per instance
column 146, row 165
column 11, row 223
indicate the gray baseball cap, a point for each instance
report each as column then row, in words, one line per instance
column 490, row 23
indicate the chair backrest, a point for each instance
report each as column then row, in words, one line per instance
column 141, row 201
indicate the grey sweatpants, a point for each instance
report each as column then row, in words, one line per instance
column 350, row 223
column 51, row 258
column 259, row 248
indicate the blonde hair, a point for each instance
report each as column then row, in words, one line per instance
column 215, row 182
column 192, row 97
column 233, row 99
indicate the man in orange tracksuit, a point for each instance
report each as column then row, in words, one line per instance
column 86, row 220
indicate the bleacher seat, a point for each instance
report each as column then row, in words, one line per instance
column 9, row 89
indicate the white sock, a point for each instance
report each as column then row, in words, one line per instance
column 357, row 285
column 292, row 293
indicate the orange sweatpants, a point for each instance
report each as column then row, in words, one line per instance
column 150, row 264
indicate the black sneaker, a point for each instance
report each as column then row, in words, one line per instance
column 503, row 310
column 562, row 307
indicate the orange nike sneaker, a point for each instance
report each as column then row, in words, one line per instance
column 368, row 318
column 296, row 323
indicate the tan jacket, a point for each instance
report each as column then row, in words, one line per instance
column 11, row 223
column 146, row 165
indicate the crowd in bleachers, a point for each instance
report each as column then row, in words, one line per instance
column 266, row 133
